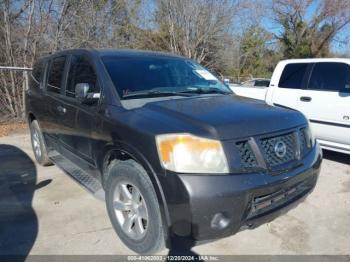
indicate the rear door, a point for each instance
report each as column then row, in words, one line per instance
column 326, row 101
column 287, row 87
column 54, row 112
column 35, row 98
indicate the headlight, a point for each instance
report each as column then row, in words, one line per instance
column 185, row 153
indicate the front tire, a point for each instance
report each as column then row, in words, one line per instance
column 38, row 144
column 133, row 207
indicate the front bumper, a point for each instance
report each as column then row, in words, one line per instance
column 207, row 207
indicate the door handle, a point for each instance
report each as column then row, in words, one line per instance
column 61, row 109
column 305, row 98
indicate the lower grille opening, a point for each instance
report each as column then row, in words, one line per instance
column 264, row 204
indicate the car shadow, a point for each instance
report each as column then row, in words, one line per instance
column 18, row 220
column 182, row 247
column 336, row 156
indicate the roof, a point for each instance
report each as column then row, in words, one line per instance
column 316, row 60
column 117, row 52
column 133, row 52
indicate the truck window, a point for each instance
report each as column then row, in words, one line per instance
column 37, row 72
column 262, row 83
column 37, row 75
column 330, row 77
column 81, row 71
column 56, row 74
column 292, row 75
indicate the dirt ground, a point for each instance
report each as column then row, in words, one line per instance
column 43, row 211
column 8, row 128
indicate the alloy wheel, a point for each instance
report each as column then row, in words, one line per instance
column 130, row 210
column 36, row 143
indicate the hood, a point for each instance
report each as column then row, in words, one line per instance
column 224, row 116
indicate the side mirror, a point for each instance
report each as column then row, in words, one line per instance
column 81, row 90
column 83, row 95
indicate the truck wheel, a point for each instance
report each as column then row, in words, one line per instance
column 133, row 207
column 38, row 144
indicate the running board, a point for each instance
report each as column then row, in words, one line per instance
column 87, row 181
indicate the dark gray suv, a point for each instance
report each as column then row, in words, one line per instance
column 170, row 147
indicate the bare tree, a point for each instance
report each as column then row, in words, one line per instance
column 195, row 29
column 303, row 37
column 30, row 28
column 12, row 90
column 228, row 36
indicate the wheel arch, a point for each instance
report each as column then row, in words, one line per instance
column 30, row 117
column 124, row 152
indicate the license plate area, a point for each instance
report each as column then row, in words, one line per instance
column 263, row 204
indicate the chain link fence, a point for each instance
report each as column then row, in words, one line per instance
column 12, row 87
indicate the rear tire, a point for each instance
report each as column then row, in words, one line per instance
column 38, row 144
column 133, row 207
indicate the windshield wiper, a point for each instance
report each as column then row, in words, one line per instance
column 155, row 93
column 211, row 90
column 186, row 92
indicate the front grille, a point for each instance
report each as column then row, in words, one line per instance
column 302, row 139
column 248, row 159
column 268, row 147
column 295, row 142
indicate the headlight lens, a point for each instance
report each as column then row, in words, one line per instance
column 185, row 153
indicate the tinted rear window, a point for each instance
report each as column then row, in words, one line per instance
column 292, row 76
column 331, row 77
column 38, row 70
column 56, row 74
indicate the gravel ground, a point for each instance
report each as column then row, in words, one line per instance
column 43, row 211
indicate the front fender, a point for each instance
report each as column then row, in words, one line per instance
column 121, row 148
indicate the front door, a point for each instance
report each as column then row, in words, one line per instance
column 82, row 119
column 292, row 80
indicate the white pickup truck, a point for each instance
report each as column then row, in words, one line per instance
column 319, row 88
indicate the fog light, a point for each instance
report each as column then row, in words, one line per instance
column 219, row 221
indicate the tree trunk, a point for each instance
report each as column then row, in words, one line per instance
column 10, row 58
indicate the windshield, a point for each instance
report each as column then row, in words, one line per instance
column 149, row 75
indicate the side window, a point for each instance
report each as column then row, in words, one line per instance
column 38, row 71
column 81, row 71
column 262, row 83
column 37, row 75
column 56, row 74
column 331, row 77
column 292, row 75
